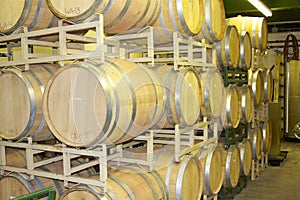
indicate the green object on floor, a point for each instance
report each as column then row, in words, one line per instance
column 39, row 194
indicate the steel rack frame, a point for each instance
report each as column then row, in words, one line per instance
column 180, row 51
column 100, row 155
column 66, row 42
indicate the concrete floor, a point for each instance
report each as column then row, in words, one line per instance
column 282, row 183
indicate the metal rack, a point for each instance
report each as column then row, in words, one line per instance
column 100, row 155
column 181, row 51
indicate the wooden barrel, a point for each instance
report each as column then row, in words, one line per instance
column 184, row 17
column 130, row 182
column 212, row 168
column 228, row 49
column 267, row 135
column 256, row 137
column 247, row 103
column 213, row 93
column 268, row 85
column 18, row 184
column 183, row 180
column 213, row 27
column 232, row 167
column 119, row 16
column 233, row 106
column 108, row 103
column 33, row 14
column 256, row 26
column 245, row 148
column 21, row 94
column 183, row 96
column 256, row 82
column 245, row 50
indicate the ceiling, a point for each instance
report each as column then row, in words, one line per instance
column 285, row 18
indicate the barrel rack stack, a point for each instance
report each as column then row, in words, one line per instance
column 261, row 115
column 68, row 47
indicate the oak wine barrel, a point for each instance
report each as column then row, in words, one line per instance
column 245, row 50
column 256, row 137
column 213, row 26
column 33, row 14
column 183, row 96
column 232, row 167
column 245, row 148
column 110, row 102
column 247, row 103
column 184, row 17
column 256, row 26
column 256, row 82
column 267, row 135
column 211, row 160
column 21, row 94
column 119, row 16
column 183, row 180
column 268, row 85
column 130, row 182
column 228, row 49
column 233, row 106
column 213, row 93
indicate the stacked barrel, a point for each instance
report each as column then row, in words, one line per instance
column 89, row 103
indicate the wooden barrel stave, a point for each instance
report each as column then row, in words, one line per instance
column 33, row 14
column 21, row 107
column 109, row 104
column 228, row 49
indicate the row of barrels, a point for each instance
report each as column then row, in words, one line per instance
column 89, row 102
column 203, row 172
column 203, row 19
